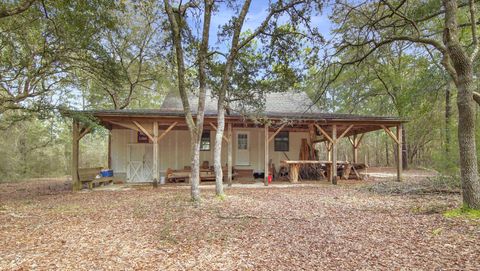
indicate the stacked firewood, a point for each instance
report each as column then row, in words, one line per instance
column 309, row 171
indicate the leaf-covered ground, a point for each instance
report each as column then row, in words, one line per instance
column 282, row 227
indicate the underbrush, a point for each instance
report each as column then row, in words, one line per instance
column 430, row 185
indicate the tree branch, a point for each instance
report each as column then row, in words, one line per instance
column 473, row 21
column 6, row 12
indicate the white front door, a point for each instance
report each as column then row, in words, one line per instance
column 243, row 148
column 140, row 158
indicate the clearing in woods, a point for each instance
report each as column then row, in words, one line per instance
column 315, row 226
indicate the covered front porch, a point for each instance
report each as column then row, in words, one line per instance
column 144, row 145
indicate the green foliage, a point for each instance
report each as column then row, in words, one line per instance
column 463, row 212
column 39, row 148
column 40, row 50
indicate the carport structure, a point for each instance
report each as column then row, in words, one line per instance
column 315, row 127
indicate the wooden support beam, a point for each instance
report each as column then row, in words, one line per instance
column 266, row 156
column 155, row 167
column 76, row 185
column 110, row 149
column 276, row 132
column 390, row 133
column 345, row 132
column 139, row 126
column 352, row 141
column 355, row 144
column 399, row 153
column 126, row 125
column 215, row 128
column 166, row 131
column 359, row 140
column 334, row 154
column 229, row 154
column 323, row 133
column 83, row 132
column 354, row 149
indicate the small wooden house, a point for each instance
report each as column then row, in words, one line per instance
column 145, row 143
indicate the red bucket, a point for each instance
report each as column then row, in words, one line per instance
column 269, row 178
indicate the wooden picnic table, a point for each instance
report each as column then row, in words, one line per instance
column 294, row 166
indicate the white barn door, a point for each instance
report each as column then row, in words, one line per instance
column 140, row 162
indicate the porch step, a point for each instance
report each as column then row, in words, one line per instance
column 244, row 173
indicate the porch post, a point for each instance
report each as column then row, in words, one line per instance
column 329, row 151
column 334, row 154
column 109, row 149
column 399, row 153
column 355, row 149
column 229, row 154
column 266, row 156
column 75, row 149
column 156, row 171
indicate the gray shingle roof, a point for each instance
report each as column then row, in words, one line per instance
column 275, row 103
column 292, row 105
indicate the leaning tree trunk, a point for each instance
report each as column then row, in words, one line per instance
column 217, row 154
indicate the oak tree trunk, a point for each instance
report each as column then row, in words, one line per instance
column 217, row 154
column 460, row 67
column 195, row 163
column 466, row 141
column 448, row 119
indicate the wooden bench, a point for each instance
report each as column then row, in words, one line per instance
column 174, row 176
column 89, row 176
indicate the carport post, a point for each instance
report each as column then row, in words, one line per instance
column 266, row 156
column 399, row 153
column 354, row 149
column 334, row 154
column 229, row 154
column 75, row 155
column 156, row 172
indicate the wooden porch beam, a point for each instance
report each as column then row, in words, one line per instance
column 345, row 132
column 166, row 131
column 355, row 144
column 215, row 128
column 131, row 127
column 390, row 133
column 143, row 130
column 324, row 133
column 83, row 132
column 359, row 140
column 276, row 132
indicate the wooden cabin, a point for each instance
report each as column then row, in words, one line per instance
column 145, row 143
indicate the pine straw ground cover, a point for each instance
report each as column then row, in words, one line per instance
column 316, row 226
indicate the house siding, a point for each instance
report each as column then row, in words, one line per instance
column 175, row 150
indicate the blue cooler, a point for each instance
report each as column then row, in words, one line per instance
column 106, row 173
